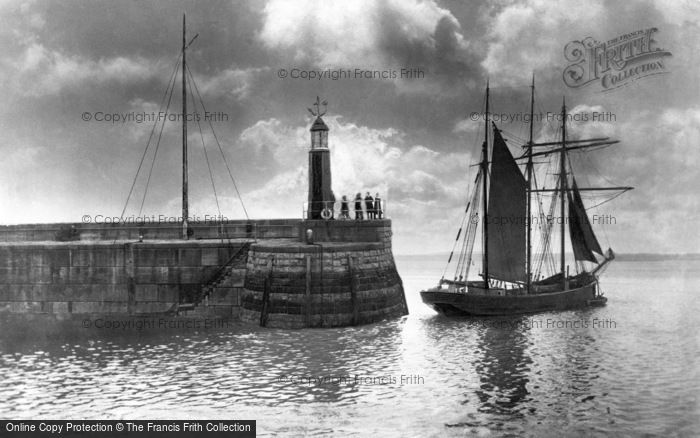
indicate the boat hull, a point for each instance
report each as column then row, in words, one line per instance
column 461, row 303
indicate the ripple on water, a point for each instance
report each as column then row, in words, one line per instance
column 479, row 375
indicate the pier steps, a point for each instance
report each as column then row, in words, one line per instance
column 223, row 289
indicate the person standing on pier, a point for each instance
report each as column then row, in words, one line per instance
column 377, row 206
column 369, row 206
column 358, row 206
column 344, row 208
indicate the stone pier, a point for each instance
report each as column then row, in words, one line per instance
column 263, row 272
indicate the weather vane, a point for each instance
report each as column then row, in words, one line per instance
column 317, row 104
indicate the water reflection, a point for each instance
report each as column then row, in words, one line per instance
column 503, row 366
column 502, row 376
column 211, row 368
column 313, row 366
column 571, row 360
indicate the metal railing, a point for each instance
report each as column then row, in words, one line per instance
column 335, row 209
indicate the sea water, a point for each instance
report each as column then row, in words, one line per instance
column 629, row 368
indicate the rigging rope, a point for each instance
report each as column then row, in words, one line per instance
column 605, row 233
column 206, row 156
column 155, row 154
column 454, row 245
column 143, row 156
column 470, row 238
column 547, row 258
column 235, row 186
column 464, row 233
column 467, row 244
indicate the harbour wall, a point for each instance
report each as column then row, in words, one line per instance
column 265, row 272
column 131, row 278
column 346, row 276
column 234, row 229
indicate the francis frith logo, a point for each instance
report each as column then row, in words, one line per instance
column 616, row 62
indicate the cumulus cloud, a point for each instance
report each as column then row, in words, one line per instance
column 396, row 137
column 41, row 71
column 661, row 214
column 341, row 33
column 366, row 34
column 683, row 12
column 529, row 36
column 418, row 184
column 583, row 121
column 234, row 82
column 284, row 143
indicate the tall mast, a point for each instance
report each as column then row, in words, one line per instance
column 484, row 174
column 184, row 134
column 562, row 186
column 529, row 187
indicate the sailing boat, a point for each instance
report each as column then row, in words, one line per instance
column 511, row 282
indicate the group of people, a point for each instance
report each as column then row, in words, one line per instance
column 373, row 207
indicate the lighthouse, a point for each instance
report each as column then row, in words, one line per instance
column 321, row 198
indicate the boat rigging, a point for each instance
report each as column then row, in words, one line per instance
column 511, row 280
column 189, row 85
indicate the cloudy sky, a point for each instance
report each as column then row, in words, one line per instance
column 412, row 140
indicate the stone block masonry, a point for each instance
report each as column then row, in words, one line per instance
column 129, row 278
column 321, row 285
column 130, row 231
column 346, row 276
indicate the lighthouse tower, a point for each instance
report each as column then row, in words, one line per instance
column 321, row 198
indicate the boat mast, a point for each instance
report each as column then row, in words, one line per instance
column 484, row 174
column 529, row 187
column 562, row 187
column 184, row 135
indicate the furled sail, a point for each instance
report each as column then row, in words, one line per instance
column 506, row 215
column 583, row 239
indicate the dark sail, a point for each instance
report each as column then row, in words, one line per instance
column 583, row 239
column 506, row 215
